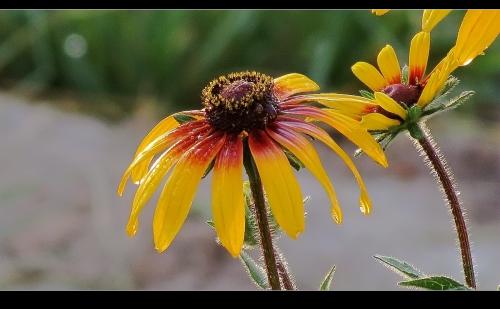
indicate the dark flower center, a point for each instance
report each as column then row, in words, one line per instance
column 240, row 102
column 406, row 94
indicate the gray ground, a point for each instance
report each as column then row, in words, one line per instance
column 62, row 226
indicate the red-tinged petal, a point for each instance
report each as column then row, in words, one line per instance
column 153, row 178
column 159, row 144
column 179, row 191
column 228, row 209
column 419, row 54
column 290, row 84
column 280, row 184
column 389, row 65
column 348, row 127
column 322, row 136
column 304, row 151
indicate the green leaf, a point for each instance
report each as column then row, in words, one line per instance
column 211, row 223
column 251, row 230
column 209, row 168
column 367, row 94
column 327, row 281
column 436, row 283
column 182, row 118
column 459, row 100
column 498, row 288
column 401, row 267
column 404, row 75
column 293, row 160
column 254, row 270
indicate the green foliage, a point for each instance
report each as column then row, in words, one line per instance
column 400, row 267
column 254, row 270
column 415, row 278
column 367, row 94
column 112, row 59
column 327, row 281
column 437, row 283
column 183, row 118
column 293, row 160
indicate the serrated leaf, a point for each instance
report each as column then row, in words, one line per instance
column 327, row 281
column 436, row 283
column 254, row 270
column 367, row 94
column 183, row 118
column 401, row 267
column 293, row 160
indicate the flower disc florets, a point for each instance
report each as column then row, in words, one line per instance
column 240, row 102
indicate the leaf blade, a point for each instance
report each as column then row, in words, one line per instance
column 327, row 281
column 400, row 267
column 435, row 283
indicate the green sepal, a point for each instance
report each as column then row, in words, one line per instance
column 404, row 75
column 367, row 94
column 293, row 160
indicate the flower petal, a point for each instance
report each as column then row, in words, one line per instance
column 375, row 121
column 389, row 65
column 419, row 55
column 280, row 184
column 157, row 145
column 437, row 79
column 388, row 103
column 380, row 12
column 153, row 178
column 348, row 127
column 228, row 209
column 162, row 127
column 305, row 152
column 369, row 75
column 321, row 135
column 478, row 30
column 290, row 84
column 347, row 104
column 430, row 18
column 179, row 191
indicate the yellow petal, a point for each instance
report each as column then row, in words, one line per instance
column 389, row 65
column 305, row 152
column 228, row 210
column 478, row 30
column 431, row 18
column 321, row 135
column 153, row 178
column 157, row 145
column 380, row 12
column 419, row 54
column 293, row 83
column 369, row 75
column 179, row 191
column 162, row 127
column 436, row 80
column 388, row 103
column 348, row 127
column 280, row 184
column 375, row 121
column 347, row 104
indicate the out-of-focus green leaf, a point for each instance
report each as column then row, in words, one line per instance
column 327, row 281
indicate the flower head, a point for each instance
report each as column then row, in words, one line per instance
column 246, row 108
column 403, row 96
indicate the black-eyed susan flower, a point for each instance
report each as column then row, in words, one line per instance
column 402, row 96
column 240, row 108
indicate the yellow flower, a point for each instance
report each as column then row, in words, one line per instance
column 240, row 108
column 393, row 95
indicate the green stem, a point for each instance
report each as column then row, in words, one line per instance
column 266, row 240
column 439, row 167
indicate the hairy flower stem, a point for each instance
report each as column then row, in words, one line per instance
column 266, row 240
column 285, row 277
column 438, row 165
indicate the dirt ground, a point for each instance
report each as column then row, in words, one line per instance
column 62, row 226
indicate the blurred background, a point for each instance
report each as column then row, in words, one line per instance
column 79, row 89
